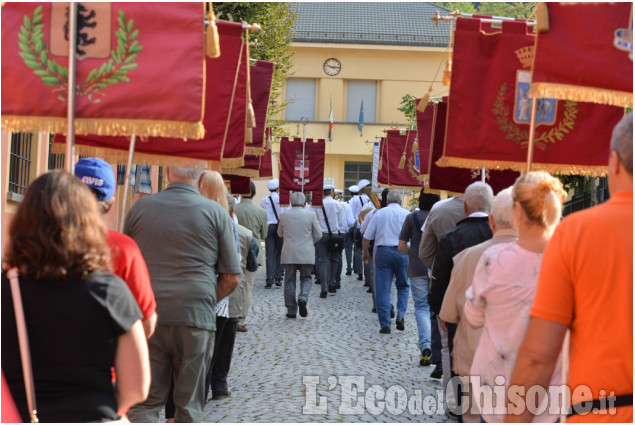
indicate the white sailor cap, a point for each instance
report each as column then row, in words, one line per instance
column 339, row 191
column 328, row 187
column 273, row 184
column 353, row 189
column 362, row 184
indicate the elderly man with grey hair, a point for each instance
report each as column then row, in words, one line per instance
column 472, row 230
column 189, row 247
column 586, row 286
column 466, row 338
column 299, row 230
column 384, row 229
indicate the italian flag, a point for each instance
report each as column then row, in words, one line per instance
column 331, row 118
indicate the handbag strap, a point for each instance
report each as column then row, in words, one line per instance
column 415, row 217
column 23, row 339
column 327, row 220
column 273, row 207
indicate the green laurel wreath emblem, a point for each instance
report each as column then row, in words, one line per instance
column 514, row 133
column 36, row 56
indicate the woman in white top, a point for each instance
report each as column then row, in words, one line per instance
column 502, row 292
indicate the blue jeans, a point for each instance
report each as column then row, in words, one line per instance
column 420, row 287
column 389, row 262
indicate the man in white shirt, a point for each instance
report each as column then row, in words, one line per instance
column 329, row 261
column 273, row 243
column 348, row 223
column 384, row 229
column 357, row 203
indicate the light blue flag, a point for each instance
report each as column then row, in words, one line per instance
column 360, row 123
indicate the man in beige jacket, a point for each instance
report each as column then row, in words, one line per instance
column 466, row 338
column 300, row 230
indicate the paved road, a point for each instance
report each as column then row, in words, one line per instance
column 278, row 362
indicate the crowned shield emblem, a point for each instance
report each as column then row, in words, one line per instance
column 301, row 169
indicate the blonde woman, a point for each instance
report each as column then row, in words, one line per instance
column 212, row 186
column 503, row 290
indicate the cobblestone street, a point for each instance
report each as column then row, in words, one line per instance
column 340, row 338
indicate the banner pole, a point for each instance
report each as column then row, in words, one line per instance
column 304, row 121
column 126, row 182
column 483, row 174
column 532, row 134
column 70, row 104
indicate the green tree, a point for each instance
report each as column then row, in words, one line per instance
column 521, row 10
column 408, row 108
column 273, row 43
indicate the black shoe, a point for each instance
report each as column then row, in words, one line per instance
column 392, row 311
column 400, row 324
column 348, row 273
column 220, row 394
column 370, row 290
column 332, row 290
column 323, row 294
column 367, row 285
column 317, row 282
column 302, row 307
column 385, row 330
column 338, row 286
column 437, row 373
column 426, row 353
column 268, row 286
column 278, row 283
column 290, row 316
column 374, row 310
column 359, row 277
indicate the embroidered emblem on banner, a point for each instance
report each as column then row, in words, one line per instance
column 546, row 109
column 94, row 31
column 476, row 173
column 414, row 165
column 624, row 38
column 301, row 168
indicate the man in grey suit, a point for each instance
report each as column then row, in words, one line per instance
column 299, row 230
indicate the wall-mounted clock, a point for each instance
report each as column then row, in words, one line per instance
column 332, row 67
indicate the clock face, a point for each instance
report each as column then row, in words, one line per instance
column 332, row 66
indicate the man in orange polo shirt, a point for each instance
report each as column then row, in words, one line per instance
column 586, row 286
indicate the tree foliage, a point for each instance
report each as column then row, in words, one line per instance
column 408, row 108
column 521, row 10
column 273, row 43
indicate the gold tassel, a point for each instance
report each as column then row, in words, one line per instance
column 251, row 116
column 402, row 162
column 415, row 146
column 542, row 17
column 212, row 45
column 381, row 163
column 423, row 104
column 447, row 73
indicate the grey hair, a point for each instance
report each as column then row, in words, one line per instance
column 186, row 173
column 298, row 199
column 394, row 197
column 478, row 198
column 231, row 203
column 503, row 209
column 622, row 142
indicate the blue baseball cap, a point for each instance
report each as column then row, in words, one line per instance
column 97, row 174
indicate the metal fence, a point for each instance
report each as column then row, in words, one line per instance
column 20, row 162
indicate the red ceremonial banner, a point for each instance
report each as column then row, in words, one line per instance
column 455, row 179
column 238, row 185
column 300, row 173
column 223, row 144
column 265, row 171
column 584, row 52
column 489, row 110
column 260, row 83
column 139, row 68
column 425, row 122
column 395, row 150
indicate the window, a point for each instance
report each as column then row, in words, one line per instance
column 300, row 91
column 356, row 91
column 56, row 160
column 354, row 172
column 19, row 165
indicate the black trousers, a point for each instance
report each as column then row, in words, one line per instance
column 222, row 358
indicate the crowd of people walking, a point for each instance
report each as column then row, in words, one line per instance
column 135, row 322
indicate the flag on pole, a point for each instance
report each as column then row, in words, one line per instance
column 360, row 122
column 331, row 119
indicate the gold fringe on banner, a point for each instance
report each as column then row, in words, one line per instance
column 250, row 150
column 105, row 126
column 564, row 169
column 117, row 156
column 582, row 94
column 542, row 17
column 232, row 162
column 243, row 172
column 439, row 192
